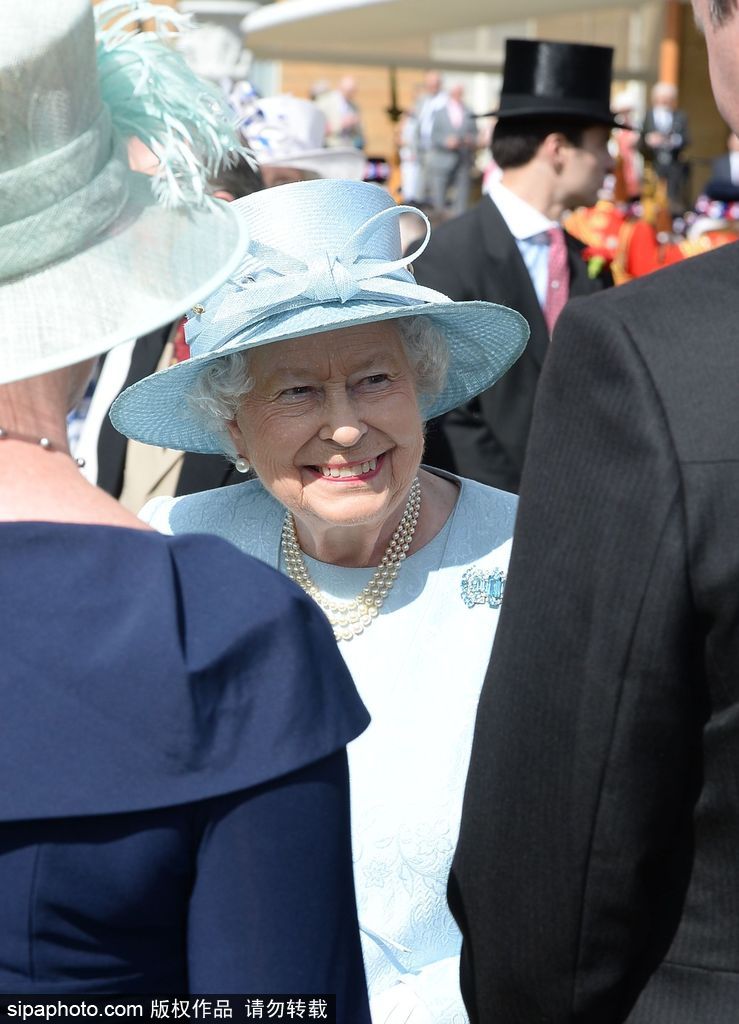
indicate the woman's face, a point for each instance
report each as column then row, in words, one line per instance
column 332, row 425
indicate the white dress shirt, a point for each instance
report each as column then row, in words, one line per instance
column 529, row 227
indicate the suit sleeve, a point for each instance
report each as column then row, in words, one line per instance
column 476, row 451
column 272, row 908
column 585, row 763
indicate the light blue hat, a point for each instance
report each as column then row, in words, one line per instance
column 91, row 253
column 323, row 255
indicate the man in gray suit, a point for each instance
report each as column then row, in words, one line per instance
column 596, row 878
column 452, row 150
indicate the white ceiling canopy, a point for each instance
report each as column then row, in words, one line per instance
column 391, row 32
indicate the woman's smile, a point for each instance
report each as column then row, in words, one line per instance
column 338, row 472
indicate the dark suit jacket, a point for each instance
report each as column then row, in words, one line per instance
column 721, row 168
column 476, row 257
column 199, row 472
column 597, row 874
column 721, row 186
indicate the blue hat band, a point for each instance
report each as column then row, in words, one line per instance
column 61, row 201
column 270, row 282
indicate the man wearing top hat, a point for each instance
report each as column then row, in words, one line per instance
column 551, row 143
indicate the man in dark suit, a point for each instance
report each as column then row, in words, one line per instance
column 664, row 137
column 550, row 142
column 597, row 873
column 162, row 470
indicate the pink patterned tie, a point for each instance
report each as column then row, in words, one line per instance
column 558, row 278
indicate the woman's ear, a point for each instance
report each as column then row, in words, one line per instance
column 236, row 436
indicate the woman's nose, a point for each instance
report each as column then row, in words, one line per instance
column 342, row 422
column 347, row 436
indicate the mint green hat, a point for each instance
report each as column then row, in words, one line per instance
column 91, row 253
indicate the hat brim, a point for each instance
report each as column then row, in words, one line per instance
column 143, row 272
column 604, row 117
column 341, row 162
column 484, row 341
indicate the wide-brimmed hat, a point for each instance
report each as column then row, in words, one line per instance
column 88, row 256
column 285, row 131
column 323, row 255
column 549, row 79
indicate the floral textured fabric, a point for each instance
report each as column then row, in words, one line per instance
column 419, row 669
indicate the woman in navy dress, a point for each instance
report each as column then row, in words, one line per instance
column 174, row 806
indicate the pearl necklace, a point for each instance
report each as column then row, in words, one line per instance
column 350, row 618
column 42, row 442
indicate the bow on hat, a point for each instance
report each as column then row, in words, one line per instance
column 270, row 281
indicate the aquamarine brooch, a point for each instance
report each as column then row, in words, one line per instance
column 481, row 587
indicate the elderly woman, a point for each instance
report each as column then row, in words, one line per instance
column 174, row 814
column 317, row 365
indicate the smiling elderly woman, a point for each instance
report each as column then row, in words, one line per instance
column 317, row 366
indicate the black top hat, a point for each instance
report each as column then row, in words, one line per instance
column 569, row 80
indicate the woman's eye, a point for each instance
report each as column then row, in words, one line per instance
column 376, row 378
column 300, row 391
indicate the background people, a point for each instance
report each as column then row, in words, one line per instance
column 664, row 137
column 627, row 186
column 452, row 147
column 550, row 141
column 174, row 815
column 595, row 878
column 317, row 369
column 432, row 98
column 343, row 116
column 288, row 137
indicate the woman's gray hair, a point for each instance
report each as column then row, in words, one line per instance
column 219, row 388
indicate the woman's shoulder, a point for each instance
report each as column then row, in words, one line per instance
column 244, row 514
column 482, row 510
column 172, row 515
column 197, row 671
column 476, row 497
column 481, row 529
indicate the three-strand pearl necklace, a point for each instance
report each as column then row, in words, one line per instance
column 350, row 618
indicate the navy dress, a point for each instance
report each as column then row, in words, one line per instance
column 174, row 800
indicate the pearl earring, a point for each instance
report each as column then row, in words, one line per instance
column 242, row 465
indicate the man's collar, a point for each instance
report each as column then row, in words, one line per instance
column 522, row 219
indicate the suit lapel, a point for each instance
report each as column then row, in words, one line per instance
column 580, row 283
column 511, row 278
